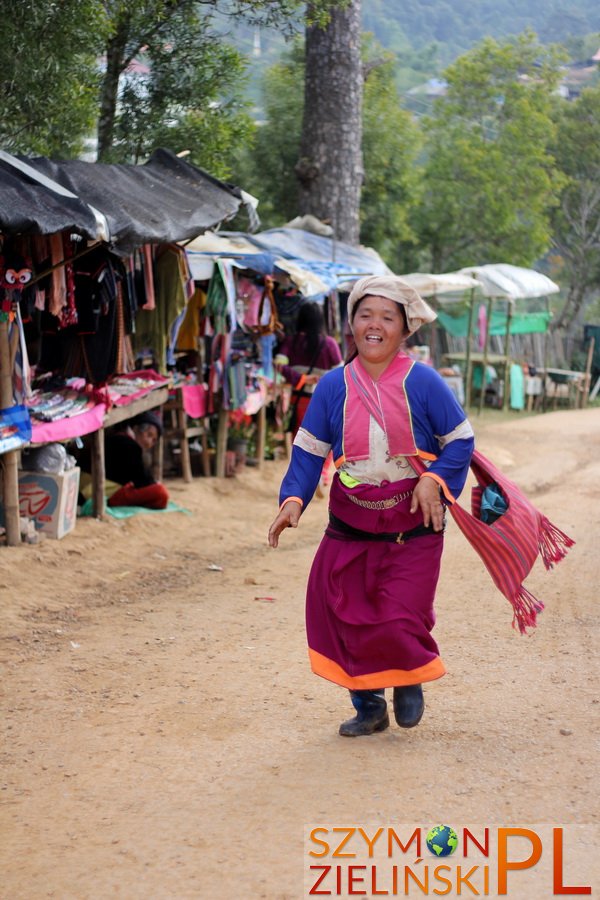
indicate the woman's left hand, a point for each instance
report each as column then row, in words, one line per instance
column 426, row 497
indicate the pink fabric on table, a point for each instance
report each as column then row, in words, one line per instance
column 195, row 400
column 63, row 429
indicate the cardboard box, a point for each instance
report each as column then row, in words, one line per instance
column 50, row 500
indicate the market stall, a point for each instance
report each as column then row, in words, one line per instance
column 500, row 285
column 95, row 247
column 262, row 279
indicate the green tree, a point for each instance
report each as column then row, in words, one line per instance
column 48, row 74
column 391, row 143
column 266, row 169
column 392, row 183
column 190, row 69
column 184, row 94
column 330, row 165
column 490, row 179
column 576, row 221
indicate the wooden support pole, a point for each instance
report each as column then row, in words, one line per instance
column 506, row 390
column 186, row 462
column 158, row 458
column 222, row 430
column 261, row 435
column 10, row 464
column 98, row 476
column 468, row 351
column 485, row 354
column 206, row 470
column 588, row 374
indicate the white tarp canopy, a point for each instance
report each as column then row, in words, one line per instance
column 428, row 285
column 511, row 282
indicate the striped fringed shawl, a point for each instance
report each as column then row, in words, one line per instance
column 510, row 546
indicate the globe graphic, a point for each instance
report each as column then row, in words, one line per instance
column 442, row 840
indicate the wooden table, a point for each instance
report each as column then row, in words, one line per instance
column 180, row 430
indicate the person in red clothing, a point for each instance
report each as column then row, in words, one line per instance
column 124, row 463
column 302, row 358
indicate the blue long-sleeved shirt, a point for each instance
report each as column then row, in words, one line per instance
column 439, row 426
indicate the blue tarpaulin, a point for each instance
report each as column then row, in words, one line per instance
column 333, row 262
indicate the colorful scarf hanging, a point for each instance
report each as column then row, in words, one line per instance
column 510, row 544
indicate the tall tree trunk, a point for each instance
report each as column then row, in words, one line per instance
column 330, row 168
column 109, row 92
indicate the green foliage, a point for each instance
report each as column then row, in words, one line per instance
column 576, row 220
column 490, row 180
column 48, row 76
column 53, row 87
column 456, row 25
column 392, row 184
column 391, row 143
column 190, row 96
column 267, row 168
column 185, row 98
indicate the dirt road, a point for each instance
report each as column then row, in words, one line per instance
column 162, row 734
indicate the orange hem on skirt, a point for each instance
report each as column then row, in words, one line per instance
column 332, row 671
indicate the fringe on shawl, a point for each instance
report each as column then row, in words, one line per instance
column 526, row 608
column 553, row 543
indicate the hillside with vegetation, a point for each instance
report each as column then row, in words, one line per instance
column 426, row 35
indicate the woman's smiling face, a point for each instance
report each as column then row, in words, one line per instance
column 379, row 328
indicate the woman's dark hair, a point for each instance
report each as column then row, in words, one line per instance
column 310, row 322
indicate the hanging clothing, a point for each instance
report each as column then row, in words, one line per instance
column 152, row 326
column 190, row 330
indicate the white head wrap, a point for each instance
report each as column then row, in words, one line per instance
column 393, row 288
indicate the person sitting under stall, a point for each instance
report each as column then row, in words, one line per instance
column 124, row 463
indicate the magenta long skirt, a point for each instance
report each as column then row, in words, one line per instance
column 369, row 604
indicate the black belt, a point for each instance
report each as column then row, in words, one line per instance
column 342, row 531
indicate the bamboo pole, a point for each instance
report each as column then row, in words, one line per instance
column 485, row 354
column 10, row 465
column 433, row 336
column 261, row 435
column 222, row 430
column 588, row 374
column 545, row 377
column 506, row 391
column 206, row 470
column 98, row 476
column 468, row 352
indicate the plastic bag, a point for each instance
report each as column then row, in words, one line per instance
column 51, row 458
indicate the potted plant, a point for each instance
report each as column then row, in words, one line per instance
column 241, row 431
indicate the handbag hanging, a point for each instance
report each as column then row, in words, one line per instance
column 508, row 533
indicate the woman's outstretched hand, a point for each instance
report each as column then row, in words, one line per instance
column 287, row 517
column 426, row 496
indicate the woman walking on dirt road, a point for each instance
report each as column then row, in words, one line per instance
column 369, row 606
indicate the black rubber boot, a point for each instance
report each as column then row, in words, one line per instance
column 371, row 714
column 409, row 705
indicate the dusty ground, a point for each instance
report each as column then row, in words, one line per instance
column 163, row 736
